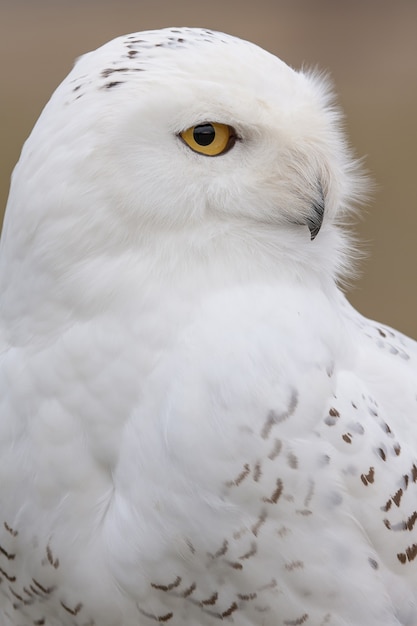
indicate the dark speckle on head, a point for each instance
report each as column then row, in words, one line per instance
column 113, row 84
column 148, row 49
column 106, row 73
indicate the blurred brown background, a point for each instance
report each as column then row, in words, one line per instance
column 369, row 47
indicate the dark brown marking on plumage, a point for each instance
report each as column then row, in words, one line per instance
column 406, row 480
column 235, row 565
column 187, row 592
column 414, row 473
column 334, row 412
column 77, row 87
column 10, row 530
column 373, row 563
column 294, row 565
column 275, row 450
column 304, row 512
column 347, row 437
column 28, row 592
column 27, row 602
column 169, row 587
column 113, row 83
column 71, row 611
column 296, row 622
column 387, row 429
column 397, row 497
column 35, row 591
column 232, row 608
column 387, row 505
column 243, row 474
column 11, row 579
column 267, row 427
column 221, row 551
column 257, row 471
column 8, row 555
column 261, row 520
column 397, row 449
column 190, row 546
column 411, row 521
column 354, row 405
column 45, row 590
column 292, row 460
column 409, row 555
column 50, row 557
column 368, row 478
column 211, row 600
column 132, row 53
column 157, row 618
column 276, row 494
column 400, row 526
column 411, row 552
column 381, row 332
column 110, row 70
column 274, row 418
column 16, row 595
column 247, row 596
column 381, row 454
column 253, row 550
column 39, row 622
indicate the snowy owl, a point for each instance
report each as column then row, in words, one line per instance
column 195, row 426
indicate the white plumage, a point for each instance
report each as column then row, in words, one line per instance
column 195, row 426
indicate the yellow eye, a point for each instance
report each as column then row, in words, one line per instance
column 210, row 138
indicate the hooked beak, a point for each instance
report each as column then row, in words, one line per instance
column 315, row 219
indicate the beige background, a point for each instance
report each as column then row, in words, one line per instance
column 369, row 47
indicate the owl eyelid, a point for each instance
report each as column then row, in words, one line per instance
column 235, row 134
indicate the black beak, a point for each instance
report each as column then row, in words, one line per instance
column 315, row 220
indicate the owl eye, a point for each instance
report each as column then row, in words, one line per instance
column 210, row 138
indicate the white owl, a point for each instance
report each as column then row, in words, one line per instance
column 195, row 426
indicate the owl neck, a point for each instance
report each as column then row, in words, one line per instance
column 50, row 285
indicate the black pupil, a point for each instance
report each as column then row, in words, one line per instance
column 204, row 134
